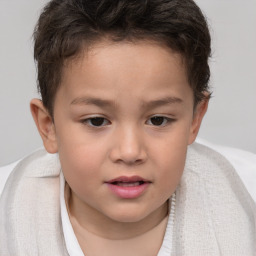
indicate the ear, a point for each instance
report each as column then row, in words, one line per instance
column 199, row 113
column 44, row 125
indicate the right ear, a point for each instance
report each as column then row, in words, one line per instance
column 45, row 125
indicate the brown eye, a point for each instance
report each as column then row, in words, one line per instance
column 160, row 121
column 96, row 121
column 157, row 120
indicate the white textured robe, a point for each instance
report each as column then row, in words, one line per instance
column 215, row 215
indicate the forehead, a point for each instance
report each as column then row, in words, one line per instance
column 137, row 68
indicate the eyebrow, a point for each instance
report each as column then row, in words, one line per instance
column 162, row 101
column 108, row 103
column 92, row 101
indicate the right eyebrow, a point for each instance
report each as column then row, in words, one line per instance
column 92, row 101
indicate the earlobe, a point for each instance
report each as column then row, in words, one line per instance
column 44, row 125
column 199, row 113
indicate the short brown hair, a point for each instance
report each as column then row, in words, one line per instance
column 66, row 26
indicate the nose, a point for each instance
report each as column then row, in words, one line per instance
column 128, row 147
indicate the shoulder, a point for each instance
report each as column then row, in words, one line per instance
column 212, row 200
column 240, row 159
column 37, row 164
column 29, row 204
column 243, row 162
column 5, row 171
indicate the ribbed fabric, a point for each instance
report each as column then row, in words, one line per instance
column 214, row 214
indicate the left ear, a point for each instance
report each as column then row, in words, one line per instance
column 199, row 113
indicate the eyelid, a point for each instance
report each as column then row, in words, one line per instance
column 169, row 120
column 86, row 120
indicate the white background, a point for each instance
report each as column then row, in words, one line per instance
column 231, row 118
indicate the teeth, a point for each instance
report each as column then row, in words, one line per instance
column 126, row 184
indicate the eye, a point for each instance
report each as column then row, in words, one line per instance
column 159, row 120
column 96, row 121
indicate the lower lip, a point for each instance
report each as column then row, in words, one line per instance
column 128, row 192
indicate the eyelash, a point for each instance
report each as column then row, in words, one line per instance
column 167, row 120
column 88, row 121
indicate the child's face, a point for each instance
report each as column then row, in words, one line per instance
column 123, row 110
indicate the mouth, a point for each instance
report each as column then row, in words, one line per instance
column 128, row 187
column 126, row 181
column 128, row 184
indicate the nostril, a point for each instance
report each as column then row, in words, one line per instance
column 139, row 161
column 128, row 152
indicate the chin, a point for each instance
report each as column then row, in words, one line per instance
column 128, row 216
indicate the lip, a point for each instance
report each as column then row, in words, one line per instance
column 128, row 187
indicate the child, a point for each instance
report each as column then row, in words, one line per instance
column 124, row 88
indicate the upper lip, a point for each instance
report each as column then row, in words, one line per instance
column 128, row 179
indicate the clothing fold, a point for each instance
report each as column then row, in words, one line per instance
column 215, row 215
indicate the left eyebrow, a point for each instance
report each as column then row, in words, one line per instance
column 162, row 102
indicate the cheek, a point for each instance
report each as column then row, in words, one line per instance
column 80, row 159
column 80, row 162
column 172, row 165
column 168, row 174
column 80, row 167
column 169, row 158
column 79, row 150
column 171, row 148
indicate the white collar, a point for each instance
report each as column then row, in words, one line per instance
column 72, row 244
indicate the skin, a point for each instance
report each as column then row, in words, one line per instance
column 126, row 84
